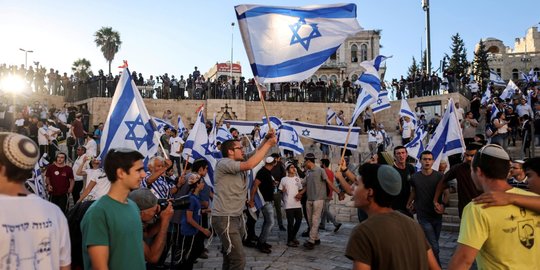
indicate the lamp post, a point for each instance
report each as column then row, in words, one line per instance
column 232, row 44
column 26, row 52
column 425, row 7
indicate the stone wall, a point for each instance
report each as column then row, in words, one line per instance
column 249, row 110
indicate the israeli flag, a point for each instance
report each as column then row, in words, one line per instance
column 382, row 102
column 496, row 79
column 509, row 91
column 447, row 138
column 288, row 139
column 128, row 123
column 181, row 127
column 416, row 146
column 223, row 134
column 275, row 122
column 486, row 96
column 36, row 182
column 198, row 146
column 371, row 86
column 161, row 124
column 259, row 200
column 406, row 111
column 291, row 43
column 494, row 111
column 339, row 122
column 330, row 114
column 327, row 134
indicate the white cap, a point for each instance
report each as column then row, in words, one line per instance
column 269, row 160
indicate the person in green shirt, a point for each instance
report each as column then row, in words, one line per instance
column 111, row 229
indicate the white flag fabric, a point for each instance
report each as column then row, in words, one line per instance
column 223, row 134
column 161, row 124
column 198, row 146
column 382, row 102
column 243, row 127
column 330, row 115
column 274, row 121
column 509, row 91
column 486, row 96
column 406, row 111
column 291, row 43
column 496, row 79
column 288, row 139
column 330, row 135
column 128, row 123
column 494, row 111
column 371, row 86
column 416, row 146
column 447, row 138
column 180, row 127
column 37, row 182
column 339, row 122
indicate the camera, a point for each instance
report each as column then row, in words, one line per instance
column 181, row 203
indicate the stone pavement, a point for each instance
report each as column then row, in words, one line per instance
column 329, row 255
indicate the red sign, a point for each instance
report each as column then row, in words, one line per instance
column 226, row 67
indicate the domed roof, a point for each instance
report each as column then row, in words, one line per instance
column 491, row 39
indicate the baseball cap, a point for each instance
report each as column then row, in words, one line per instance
column 144, row 198
column 269, row 160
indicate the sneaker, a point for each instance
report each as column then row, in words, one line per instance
column 292, row 244
column 317, row 242
column 281, row 228
column 309, row 245
column 337, row 227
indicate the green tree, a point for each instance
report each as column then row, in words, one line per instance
column 458, row 63
column 413, row 69
column 423, row 63
column 109, row 42
column 81, row 69
column 480, row 65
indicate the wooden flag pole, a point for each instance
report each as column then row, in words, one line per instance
column 345, row 146
column 261, row 97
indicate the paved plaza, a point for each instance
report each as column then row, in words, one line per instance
column 329, row 255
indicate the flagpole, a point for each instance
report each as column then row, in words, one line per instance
column 159, row 139
column 345, row 145
column 261, row 97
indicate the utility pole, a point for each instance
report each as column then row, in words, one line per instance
column 425, row 6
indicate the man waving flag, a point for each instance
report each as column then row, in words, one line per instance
column 291, row 43
column 128, row 123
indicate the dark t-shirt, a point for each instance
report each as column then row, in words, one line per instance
column 400, row 203
column 266, row 187
column 78, row 129
column 59, row 178
column 425, row 186
column 389, row 241
column 465, row 186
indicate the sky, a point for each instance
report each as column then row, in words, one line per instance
column 174, row 36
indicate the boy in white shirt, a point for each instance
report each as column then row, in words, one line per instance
column 290, row 185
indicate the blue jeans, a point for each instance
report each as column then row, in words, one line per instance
column 268, row 213
column 432, row 229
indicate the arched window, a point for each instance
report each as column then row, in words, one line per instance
column 354, row 53
column 515, row 74
column 314, row 78
column 363, row 52
column 537, row 72
column 333, row 78
column 493, row 49
column 323, row 78
column 354, row 77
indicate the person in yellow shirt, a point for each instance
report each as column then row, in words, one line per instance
column 500, row 237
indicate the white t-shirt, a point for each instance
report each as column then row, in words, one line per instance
column 35, row 238
column 78, row 162
column 53, row 132
column 291, row 185
column 408, row 129
column 42, row 136
column 175, row 143
column 91, row 148
column 102, row 183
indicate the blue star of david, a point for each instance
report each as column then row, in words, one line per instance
column 305, row 132
column 379, row 101
column 304, row 41
column 294, row 139
column 139, row 141
column 206, row 147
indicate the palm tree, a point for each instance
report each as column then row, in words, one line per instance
column 81, row 69
column 109, row 41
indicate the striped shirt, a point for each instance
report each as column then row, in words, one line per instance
column 161, row 188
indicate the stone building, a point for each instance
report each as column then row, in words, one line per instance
column 345, row 63
column 524, row 56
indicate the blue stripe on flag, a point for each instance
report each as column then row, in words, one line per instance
column 293, row 66
column 345, row 11
column 371, row 80
column 382, row 107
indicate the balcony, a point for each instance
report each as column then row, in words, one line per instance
column 333, row 64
